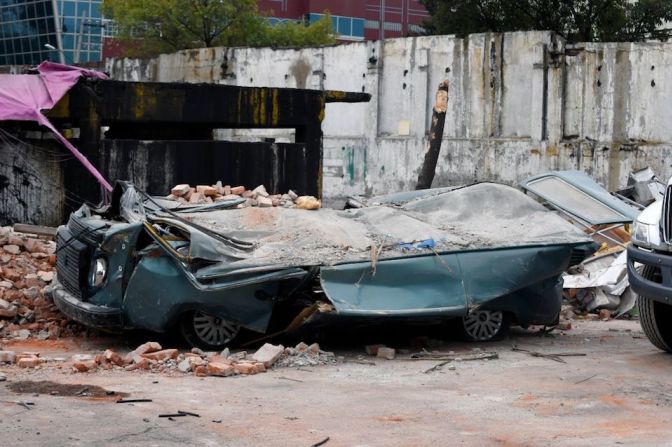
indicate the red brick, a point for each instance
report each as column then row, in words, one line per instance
column 206, row 190
column 34, row 246
column 244, row 368
column 7, row 356
column 114, row 357
column 28, row 362
column 84, row 366
column 219, row 369
column 201, row 371
column 180, row 190
column 238, row 190
column 146, row 348
column 160, row 356
column 196, row 197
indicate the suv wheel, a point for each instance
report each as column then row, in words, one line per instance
column 207, row 332
column 655, row 317
column 484, row 325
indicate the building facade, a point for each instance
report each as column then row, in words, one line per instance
column 66, row 31
column 75, row 32
column 354, row 19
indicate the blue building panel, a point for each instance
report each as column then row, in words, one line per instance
column 28, row 26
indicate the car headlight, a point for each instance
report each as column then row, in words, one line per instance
column 98, row 272
column 643, row 234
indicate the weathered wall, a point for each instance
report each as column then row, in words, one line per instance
column 520, row 103
column 32, row 187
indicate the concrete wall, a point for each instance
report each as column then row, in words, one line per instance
column 520, row 103
column 32, row 188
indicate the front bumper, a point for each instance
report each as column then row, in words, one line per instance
column 656, row 291
column 86, row 313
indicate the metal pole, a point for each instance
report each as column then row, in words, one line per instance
column 428, row 168
column 381, row 32
column 58, row 25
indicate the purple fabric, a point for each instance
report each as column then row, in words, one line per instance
column 23, row 97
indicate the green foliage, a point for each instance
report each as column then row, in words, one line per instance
column 157, row 26
column 575, row 20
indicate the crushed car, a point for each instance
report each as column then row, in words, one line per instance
column 485, row 254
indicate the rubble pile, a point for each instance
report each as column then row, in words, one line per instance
column 27, row 267
column 151, row 356
column 259, row 197
column 305, row 355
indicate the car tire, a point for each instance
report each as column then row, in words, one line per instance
column 484, row 325
column 207, row 332
column 655, row 317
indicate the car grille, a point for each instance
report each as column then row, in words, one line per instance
column 665, row 218
column 83, row 232
column 71, row 265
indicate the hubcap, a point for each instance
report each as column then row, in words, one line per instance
column 213, row 330
column 483, row 324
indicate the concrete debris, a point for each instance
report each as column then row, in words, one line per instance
column 600, row 283
column 258, row 197
column 268, row 354
column 386, row 353
column 300, row 356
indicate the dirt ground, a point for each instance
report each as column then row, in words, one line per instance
column 619, row 393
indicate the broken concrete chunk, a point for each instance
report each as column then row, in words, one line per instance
column 191, row 363
column 292, row 195
column 197, row 351
column 45, row 276
column 373, row 349
column 6, row 284
column 226, row 190
column 386, row 353
column 308, row 203
column 268, row 354
column 264, row 202
column 24, row 334
column 7, row 356
column 259, row 191
column 34, row 246
column 10, row 312
column 180, row 190
column 237, row 356
column 12, row 249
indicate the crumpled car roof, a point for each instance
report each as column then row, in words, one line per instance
column 483, row 216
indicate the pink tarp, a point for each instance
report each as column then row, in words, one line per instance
column 23, row 97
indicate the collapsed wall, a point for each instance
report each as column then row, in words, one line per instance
column 519, row 103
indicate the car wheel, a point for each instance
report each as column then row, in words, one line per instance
column 206, row 331
column 655, row 317
column 484, row 325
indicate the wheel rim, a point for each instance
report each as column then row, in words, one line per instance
column 483, row 324
column 214, row 330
